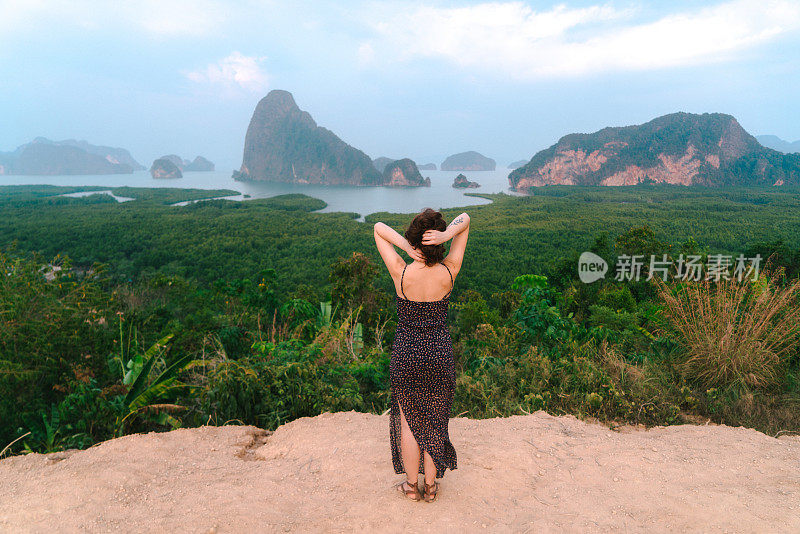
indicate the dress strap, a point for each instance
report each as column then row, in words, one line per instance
column 401, row 283
column 451, row 281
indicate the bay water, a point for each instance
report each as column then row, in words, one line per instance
column 358, row 199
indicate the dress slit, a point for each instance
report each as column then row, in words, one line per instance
column 399, row 426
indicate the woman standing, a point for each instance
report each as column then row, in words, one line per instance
column 421, row 368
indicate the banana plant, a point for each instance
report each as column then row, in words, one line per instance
column 325, row 314
column 146, row 396
column 45, row 437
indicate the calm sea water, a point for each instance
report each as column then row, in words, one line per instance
column 358, row 199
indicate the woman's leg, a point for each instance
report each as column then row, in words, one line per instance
column 409, row 449
column 430, row 469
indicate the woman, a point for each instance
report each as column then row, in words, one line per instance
column 421, row 368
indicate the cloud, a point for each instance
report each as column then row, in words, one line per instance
column 232, row 72
column 513, row 39
column 155, row 18
column 176, row 17
column 365, row 54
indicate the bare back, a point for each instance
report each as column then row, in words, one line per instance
column 424, row 284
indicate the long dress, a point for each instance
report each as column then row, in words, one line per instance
column 422, row 376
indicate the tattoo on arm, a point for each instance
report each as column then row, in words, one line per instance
column 456, row 221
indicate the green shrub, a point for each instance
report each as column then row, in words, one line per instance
column 472, row 310
column 282, row 381
column 539, row 316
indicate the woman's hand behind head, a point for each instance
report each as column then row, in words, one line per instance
column 415, row 254
column 433, row 237
column 423, row 222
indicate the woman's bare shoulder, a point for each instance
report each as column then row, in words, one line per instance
column 451, row 265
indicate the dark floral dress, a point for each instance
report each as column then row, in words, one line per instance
column 422, row 375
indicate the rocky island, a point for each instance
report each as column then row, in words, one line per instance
column 176, row 160
column 711, row 149
column 404, row 172
column 69, row 157
column 284, row 144
column 427, row 167
column 461, row 182
column 165, row 168
column 199, row 164
column 468, row 161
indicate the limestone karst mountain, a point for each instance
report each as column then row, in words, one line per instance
column 165, row 168
column 404, row 172
column 711, row 149
column 200, row 164
column 461, row 182
column 284, row 144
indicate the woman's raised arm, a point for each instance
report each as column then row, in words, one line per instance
column 458, row 231
column 386, row 238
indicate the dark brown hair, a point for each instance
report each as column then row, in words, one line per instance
column 427, row 220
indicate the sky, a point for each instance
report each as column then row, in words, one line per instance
column 400, row 79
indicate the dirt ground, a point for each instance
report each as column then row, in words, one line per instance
column 333, row 473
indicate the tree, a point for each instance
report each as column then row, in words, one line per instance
column 353, row 285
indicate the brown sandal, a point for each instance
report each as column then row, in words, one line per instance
column 431, row 491
column 413, row 493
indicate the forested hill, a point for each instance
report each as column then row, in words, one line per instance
column 681, row 148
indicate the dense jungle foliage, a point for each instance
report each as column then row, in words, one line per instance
column 225, row 240
column 119, row 318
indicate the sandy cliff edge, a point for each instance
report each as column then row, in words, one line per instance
column 332, row 473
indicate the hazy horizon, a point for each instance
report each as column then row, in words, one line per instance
column 399, row 79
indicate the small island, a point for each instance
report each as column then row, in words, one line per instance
column 517, row 164
column 427, row 167
column 468, row 161
column 461, row 182
column 200, row 164
column 404, row 172
column 69, row 157
column 165, row 168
